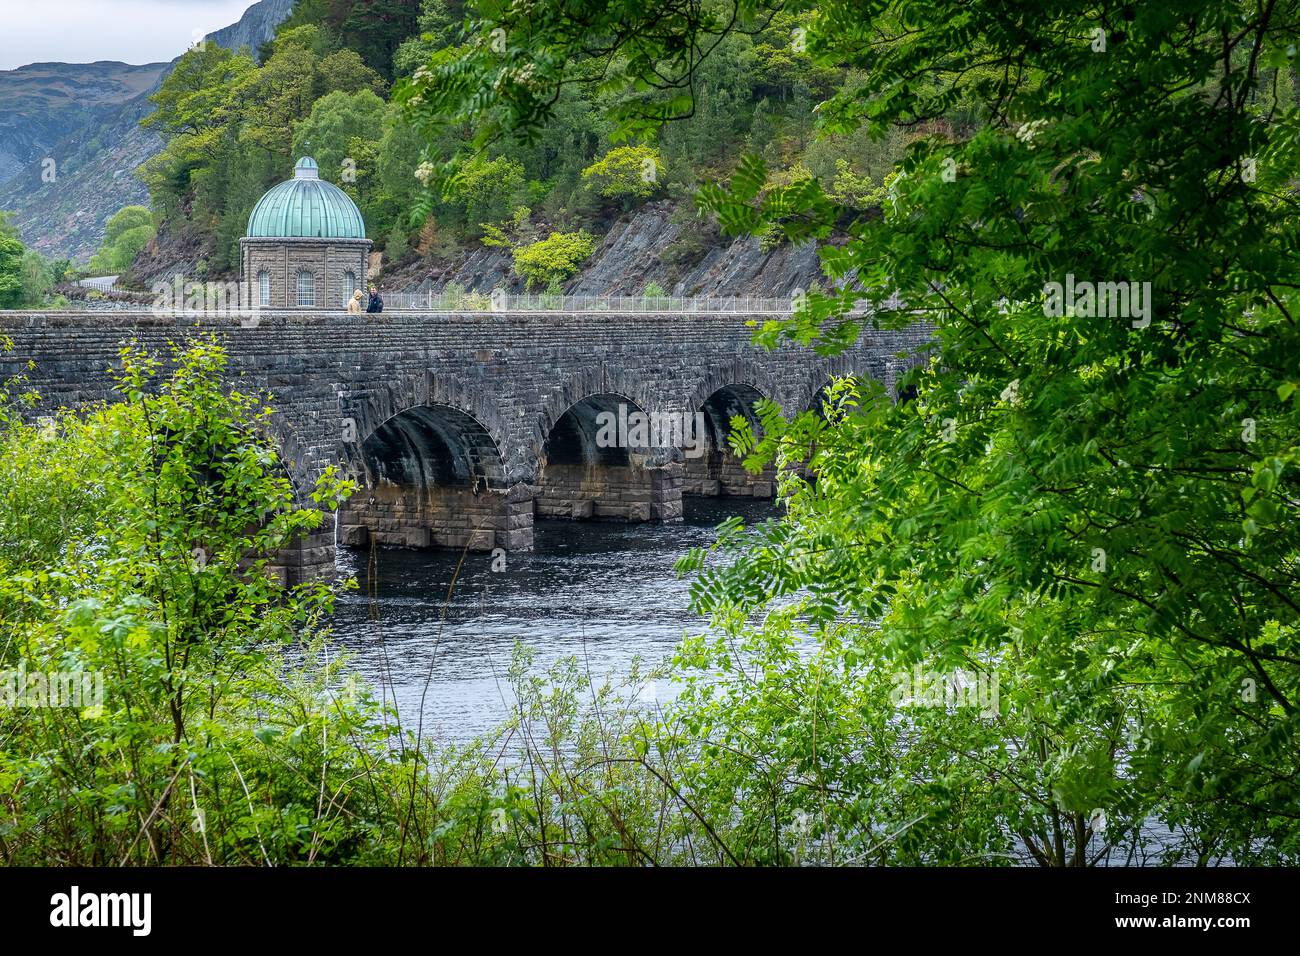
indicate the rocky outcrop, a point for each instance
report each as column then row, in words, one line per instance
column 255, row 27
column 172, row 252
column 663, row 242
column 683, row 253
column 483, row 269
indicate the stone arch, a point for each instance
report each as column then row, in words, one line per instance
column 806, row 397
column 431, row 458
column 711, row 467
column 572, row 440
column 370, row 409
column 430, row 445
column 579, row 476
column 740, row 371
column 590, row 382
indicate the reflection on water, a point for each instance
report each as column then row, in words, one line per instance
column 606, row 593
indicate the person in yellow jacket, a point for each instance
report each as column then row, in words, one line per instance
column 354, row 304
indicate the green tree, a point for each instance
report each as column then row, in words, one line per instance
column 373, row 29
column 336, row 119
column 195, row 105
column 437, row 27
column 11, row 271
column 1092, row 495
column 485, row 190
column 553, row 259
column 40, row 276
column 627, row 174
column 127, row 232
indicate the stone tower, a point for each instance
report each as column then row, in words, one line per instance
column 306, row 246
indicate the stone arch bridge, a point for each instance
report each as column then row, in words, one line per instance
column 462, row 427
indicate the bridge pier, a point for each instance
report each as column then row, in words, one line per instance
column 446, row 517
column 719, row 474
column 310, row 558
column 612, row 493
column 594, row 466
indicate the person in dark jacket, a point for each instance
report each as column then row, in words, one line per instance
column 376, row 301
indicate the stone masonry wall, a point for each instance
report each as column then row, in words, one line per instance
column 454, row 518
column 611, row 494
column 328, row 262
column 333, row 379
column 720, row 473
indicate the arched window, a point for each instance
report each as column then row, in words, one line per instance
column 264, row 287
column 306, row 288
column 349, row 286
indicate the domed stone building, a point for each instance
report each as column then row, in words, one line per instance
column 306, row 246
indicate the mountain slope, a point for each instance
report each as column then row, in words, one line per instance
column 44, row 103
column 86, row 118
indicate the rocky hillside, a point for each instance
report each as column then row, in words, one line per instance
column 662, row 242
column 93, row 177
column 42, row 104
column 86, row 118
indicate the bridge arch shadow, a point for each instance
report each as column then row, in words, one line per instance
column 433, row 445
column 594, row 463
column 432, row 476
column 713, row 468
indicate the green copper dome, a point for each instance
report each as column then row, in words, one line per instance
column 306, row 207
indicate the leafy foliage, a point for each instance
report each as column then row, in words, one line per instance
column 1095, row 502
column 553, row 259
column 11, row 271
column 626, row 173
column 127, row 232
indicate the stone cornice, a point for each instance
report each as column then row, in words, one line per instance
column 302, row 241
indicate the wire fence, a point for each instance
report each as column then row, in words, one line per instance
column 505, row 302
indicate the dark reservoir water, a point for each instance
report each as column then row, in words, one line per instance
column 606, row 593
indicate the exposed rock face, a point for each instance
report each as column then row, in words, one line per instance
column 684, row 254
column 255, row 27
column 86, row 118
column 661, row 242
column 172, row 253
column 482, row 270
column 95, row 177
column 44, row 103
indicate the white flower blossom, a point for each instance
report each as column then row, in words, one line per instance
column 1028, row 131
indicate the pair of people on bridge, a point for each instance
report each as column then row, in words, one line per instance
column 375, row 304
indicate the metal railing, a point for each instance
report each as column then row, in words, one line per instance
column 505, row 302
column 100, row 283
